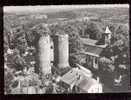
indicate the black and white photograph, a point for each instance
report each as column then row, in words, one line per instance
column 66, row 49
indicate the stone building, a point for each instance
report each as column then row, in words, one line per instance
column 93, row 51
column 79, row 81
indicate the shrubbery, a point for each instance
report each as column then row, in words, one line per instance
column 116, row 54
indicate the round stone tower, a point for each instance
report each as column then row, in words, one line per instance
column 45, row 54
column 61, row 50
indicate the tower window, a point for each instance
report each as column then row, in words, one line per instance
column 52, row 62
column 51, row 47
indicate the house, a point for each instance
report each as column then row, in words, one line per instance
column 80, row 82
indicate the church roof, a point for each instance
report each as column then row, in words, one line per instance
column 91, row 48
column 107, row 31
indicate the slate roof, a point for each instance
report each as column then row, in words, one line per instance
column 88, row 41
column 91, row 42
column 91, row 48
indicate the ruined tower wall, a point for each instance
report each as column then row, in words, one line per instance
column 45, row 54
column 56, row 54
column 61, row 50
column 52, row 51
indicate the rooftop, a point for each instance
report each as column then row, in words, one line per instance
column 92, row 42
column 77, row 78
column 91, row 48
column 71, row 76
column 107, row 31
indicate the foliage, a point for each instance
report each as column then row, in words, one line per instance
column 94, row 30
column 8, row 77
column 15, row 61
column 115, row 58
column 77, row 58
column 49, row 88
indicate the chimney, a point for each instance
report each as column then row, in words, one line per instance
column 61, row 50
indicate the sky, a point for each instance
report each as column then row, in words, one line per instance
column 50, row 8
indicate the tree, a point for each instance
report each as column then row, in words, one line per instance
column 94, row 30
column 49, row 88
column 115, row 57
column 8, row 77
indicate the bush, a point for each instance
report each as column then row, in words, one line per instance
column 8, row 77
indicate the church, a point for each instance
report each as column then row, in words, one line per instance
column 93, row 50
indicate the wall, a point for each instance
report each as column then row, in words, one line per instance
column 45, row 54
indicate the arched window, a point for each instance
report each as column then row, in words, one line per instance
column 51, row 47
